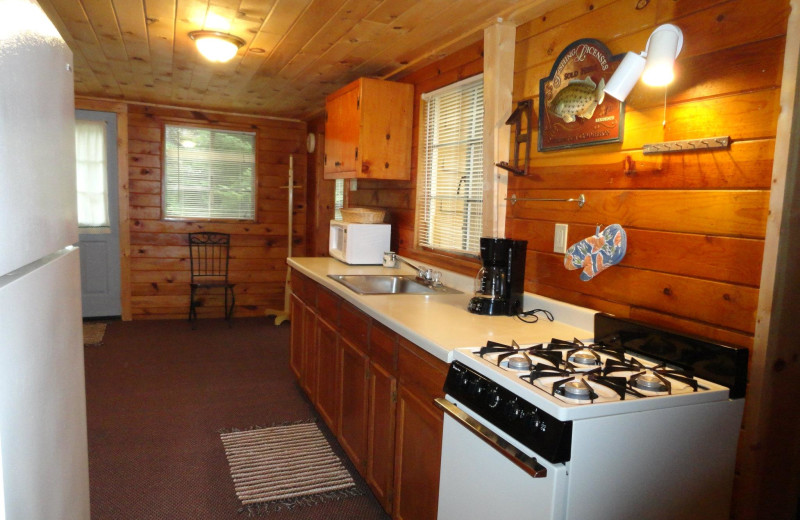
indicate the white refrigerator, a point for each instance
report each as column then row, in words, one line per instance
column 43, row 448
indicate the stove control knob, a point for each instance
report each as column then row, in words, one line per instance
column 533, row 422
column 493, row 397
column 464, row 380
column 477, row 387
column 512, row 409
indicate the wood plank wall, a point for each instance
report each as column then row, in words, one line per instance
column 695, row 221
column 159, row 253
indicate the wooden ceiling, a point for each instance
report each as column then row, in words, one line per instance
column 295, row 53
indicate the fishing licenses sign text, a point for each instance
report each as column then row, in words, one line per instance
column 573, row 108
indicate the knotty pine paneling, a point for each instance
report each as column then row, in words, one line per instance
column 696, row 221
column 159, row 252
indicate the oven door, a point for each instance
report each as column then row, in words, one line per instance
column 484, row 474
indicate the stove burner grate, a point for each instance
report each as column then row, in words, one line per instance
column 651, row 379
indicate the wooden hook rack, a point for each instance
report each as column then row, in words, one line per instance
column 688, row 145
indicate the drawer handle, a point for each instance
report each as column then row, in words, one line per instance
column 529, row 464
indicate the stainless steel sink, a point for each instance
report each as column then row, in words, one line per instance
column 389, row 284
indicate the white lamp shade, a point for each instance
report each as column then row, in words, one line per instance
column 663, row 47
column 625, row 77
column 216, row 46
column 216, row 49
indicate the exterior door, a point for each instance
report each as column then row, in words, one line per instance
column 99, row 245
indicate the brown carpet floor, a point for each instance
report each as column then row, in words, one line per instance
column 158, row 394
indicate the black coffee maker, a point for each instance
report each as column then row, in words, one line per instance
column 499, row 285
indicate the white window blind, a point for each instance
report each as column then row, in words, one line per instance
column 91, row 177
column 338, row 199
column 209, row 173
column 450, row 190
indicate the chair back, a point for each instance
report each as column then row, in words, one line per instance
column 208, row 254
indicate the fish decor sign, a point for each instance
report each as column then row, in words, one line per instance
column 573, row 108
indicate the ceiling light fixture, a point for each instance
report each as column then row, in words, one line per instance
column 663, row 46
column 216, row 46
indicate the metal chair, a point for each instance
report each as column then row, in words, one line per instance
column 209, row 254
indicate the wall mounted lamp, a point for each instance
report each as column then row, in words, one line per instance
column 215, row 45
column 654, row 65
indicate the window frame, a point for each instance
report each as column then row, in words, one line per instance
column 214, row 127
column 420, row 181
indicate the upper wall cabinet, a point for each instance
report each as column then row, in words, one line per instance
column 368, row 131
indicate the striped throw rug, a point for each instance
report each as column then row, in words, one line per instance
column 285, row 466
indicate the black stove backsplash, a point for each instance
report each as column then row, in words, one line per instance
column 721, row 364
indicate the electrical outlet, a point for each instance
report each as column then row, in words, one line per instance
column 353, row 185
column 560, row 239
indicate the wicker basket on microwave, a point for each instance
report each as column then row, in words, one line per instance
column 363, row 215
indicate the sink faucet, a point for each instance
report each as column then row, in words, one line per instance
column 424, row 274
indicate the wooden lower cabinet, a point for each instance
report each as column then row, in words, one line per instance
column 375, row 392
column 354, row 411
column 380, row 451
column 327, row 398
column 418, row 451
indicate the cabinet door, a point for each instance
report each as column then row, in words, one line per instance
column 308, row 356
column 342, row 129
column 328, row 378
column 296, row 341
column 418, row 452
column 380, row 451
column 355, row 404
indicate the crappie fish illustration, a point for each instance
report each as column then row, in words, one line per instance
column 578, row 99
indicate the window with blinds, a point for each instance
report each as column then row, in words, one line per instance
column 209, row 173
column 450, row 190
column 338, row 199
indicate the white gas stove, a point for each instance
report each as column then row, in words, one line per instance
column 642, row 423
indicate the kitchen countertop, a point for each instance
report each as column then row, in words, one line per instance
column 440, row 323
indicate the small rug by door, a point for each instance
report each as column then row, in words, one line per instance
column 282, row 467
column 93, row 333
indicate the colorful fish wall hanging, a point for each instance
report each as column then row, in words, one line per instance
column 573, row 108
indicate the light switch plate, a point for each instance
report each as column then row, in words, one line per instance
column 560, row 239
column 353, row 184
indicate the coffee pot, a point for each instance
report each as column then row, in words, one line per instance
column 499, row 284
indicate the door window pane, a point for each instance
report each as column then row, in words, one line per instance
column 91, row 168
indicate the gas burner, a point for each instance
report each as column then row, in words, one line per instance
column 650, row 382
column 585, row 357
column 522, row 362
column 654, row 380
column 577, row 389
column 515, row 358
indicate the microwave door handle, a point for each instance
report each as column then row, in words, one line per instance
column 529, row 464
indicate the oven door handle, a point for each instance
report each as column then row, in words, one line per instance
column 529, row 464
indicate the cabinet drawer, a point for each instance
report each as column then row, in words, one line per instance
column 328, row 305
column 304, row 288
column 353, row 324
column 420, row 369
column 383, row 347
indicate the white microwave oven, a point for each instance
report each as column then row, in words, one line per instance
column 354, row 243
